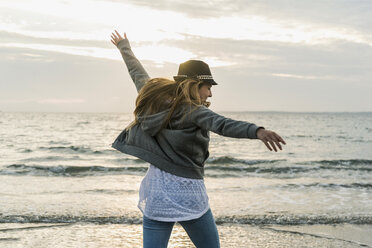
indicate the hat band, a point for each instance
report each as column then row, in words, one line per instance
column 198, row 77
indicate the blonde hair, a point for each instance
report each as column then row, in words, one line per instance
column 160, row 94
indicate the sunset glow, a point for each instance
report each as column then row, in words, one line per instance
column 297, row 42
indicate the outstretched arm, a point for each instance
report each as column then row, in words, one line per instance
column 209, row 120
column 135, row 68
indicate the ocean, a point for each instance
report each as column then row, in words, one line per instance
column 62, row 185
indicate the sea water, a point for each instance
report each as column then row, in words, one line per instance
column 62, row 185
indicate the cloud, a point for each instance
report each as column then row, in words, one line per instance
column 157, row 53
column 75, row 50
column 44, row 101
column 259, row 20
column 60, row 101
column 15, row 37
column 356, row 14
column 346, row 60
column 106, row 86
column 306, row 52
column 192, row 8
column 307, row 77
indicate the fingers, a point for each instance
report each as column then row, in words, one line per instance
column 273, row 145
column 118, row 34
column 278, row 145
column 272, row 140
column 280, row 138
column 267, row 145
column 114, row 41
column 276, row 138
column 116, row 37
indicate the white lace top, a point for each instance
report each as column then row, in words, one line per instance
column 167, row 197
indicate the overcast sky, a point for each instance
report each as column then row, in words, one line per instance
column 278, row 55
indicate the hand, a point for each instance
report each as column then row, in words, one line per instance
column 115, row 38
column 270, row 138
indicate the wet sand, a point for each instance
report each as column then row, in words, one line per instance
column 14, row 235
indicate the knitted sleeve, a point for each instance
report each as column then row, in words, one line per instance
column 135, row 68
column 211, row 121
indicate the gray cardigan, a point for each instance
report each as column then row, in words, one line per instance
column 181, row 148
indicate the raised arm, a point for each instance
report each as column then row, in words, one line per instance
column 135, row 68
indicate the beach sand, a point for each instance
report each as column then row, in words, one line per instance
column 13, row 235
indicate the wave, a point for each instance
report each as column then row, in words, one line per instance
column 79, row 158
column 343, row 162
column 284, row 167
column 244, row 219
column 77, row 149
column 220, row 167
column 83, row 122
column 260, row 170
column 331, row 185
column 336, row 162
column 294, row 220
column 70, row 219
column 38, row 170
column 210, row 171
column 348, row 165
column 50, row 158
column 231, row 160
column 109, row 191
column 26, row 150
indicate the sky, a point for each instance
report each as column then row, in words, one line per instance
column 278, row 55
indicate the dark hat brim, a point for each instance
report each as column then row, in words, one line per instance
column 179, row 79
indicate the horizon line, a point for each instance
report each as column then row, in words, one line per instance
column 221, row 111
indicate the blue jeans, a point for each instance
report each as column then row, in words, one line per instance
column 202, row 232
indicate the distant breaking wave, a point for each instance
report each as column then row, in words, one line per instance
column 231, row 160
column 215, row 167
column 22, row 169
column 245, row 219
column 367, row 186
column 77, row 149
column 346, row 162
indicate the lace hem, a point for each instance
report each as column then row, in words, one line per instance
column 167, row 197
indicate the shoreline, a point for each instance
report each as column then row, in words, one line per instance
column 231, row 235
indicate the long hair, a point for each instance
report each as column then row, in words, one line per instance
column 160, row 94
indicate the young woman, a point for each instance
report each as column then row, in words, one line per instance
column 171, row 132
